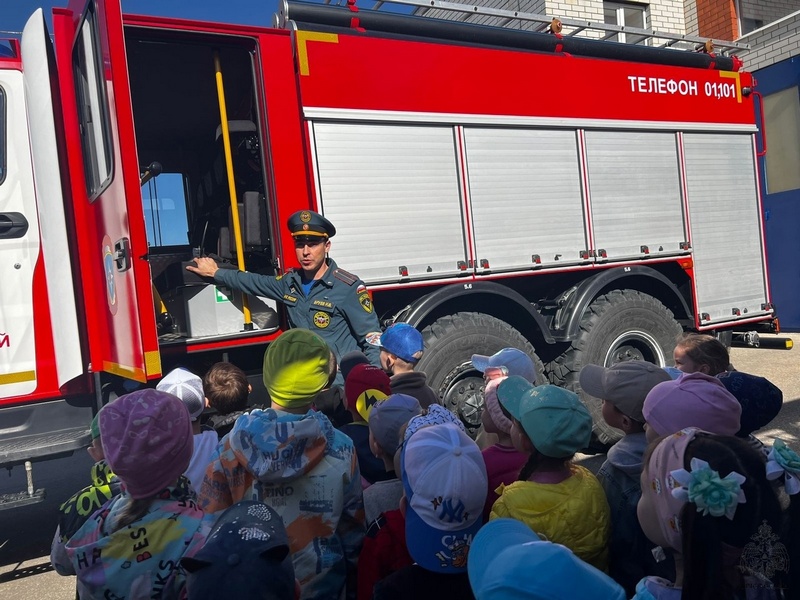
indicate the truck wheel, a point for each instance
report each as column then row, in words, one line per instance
column 621, row 325
column 450, row 343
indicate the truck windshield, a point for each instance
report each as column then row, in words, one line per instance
column 164, row 203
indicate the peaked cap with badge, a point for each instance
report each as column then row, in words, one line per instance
column 307, row 223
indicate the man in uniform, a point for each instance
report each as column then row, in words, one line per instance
column 319, row 296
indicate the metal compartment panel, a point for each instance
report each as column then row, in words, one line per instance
column 635, row 191
column 725, row 225
column 516, row 180
column 393, row 193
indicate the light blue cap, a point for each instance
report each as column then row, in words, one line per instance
column 508, row 561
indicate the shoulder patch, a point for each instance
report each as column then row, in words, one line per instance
column 345, row 276
column 376, row 526
column 365, row 301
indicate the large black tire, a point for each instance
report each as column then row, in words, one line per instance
column 450, row 343
column 621, row 325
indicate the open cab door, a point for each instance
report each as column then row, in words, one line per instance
column 106, row 190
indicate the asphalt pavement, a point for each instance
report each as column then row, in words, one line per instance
column 26, row 533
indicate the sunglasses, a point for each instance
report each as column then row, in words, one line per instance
column 313, row 243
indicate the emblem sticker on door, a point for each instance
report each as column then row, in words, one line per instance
column 109, row 269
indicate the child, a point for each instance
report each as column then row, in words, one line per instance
column 292, row 459
column 330, row 400
column 384, row 550
column 385, row 422
column 622, row 389
column 693, row 400
column 245, row 556
column 761, row 402
column 365, row 386
column 508, row 561
column 506, row 362
column 560, row 501
column 227, row 390
column 130, row 548
column 188, row 388
column 105, row 485
column 503, row 461
column 445, row 484
column 706, row 499
column 401, row 348
column 501, row 364
column 701, row 353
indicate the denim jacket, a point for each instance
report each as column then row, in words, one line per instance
column 629, row 549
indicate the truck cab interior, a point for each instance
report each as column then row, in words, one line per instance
column 187, row 207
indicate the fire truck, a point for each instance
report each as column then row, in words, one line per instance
column 580, row 199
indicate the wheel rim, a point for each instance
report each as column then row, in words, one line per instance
column 635, row 345
column 463, row 394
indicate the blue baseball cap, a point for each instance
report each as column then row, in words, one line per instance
column 445, row 484
column 402, row 340
column 508, row 561
column 554, row 419
column 513, row 361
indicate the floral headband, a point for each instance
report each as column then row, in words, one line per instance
column 701, row 485
column 782, row 460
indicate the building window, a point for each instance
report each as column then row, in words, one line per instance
column 626, row 15
column 747, row 25
column 782, row 125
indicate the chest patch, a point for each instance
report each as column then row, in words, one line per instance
column 321, row 319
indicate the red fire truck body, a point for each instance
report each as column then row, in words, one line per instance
column 584, row 209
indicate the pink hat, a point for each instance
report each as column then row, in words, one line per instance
column 492, row 406
column 147, row 438
column 668, row 457
column 694, row 400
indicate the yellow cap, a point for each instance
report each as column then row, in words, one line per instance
column 296, row 368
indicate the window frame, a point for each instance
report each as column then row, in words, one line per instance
column 90, row 95
column 619, row 9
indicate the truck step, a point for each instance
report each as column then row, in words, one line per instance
column 21, row 499
column 43, row 430
column 30, row 447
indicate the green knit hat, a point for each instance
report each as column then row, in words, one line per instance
column 296, row 368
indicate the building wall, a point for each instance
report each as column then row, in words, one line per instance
column 663, row 15
column 716, row 19
column 769, row 11
column 690, row 17
column 773, row 43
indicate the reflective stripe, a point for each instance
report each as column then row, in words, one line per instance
column 9, row 378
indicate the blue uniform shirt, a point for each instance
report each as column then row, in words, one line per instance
column 337, row 307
